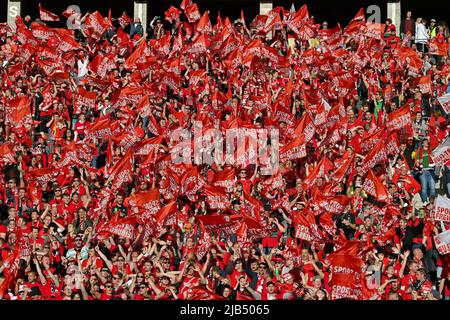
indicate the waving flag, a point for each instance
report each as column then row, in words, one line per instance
column 47, row 15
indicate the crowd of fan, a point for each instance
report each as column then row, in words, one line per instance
column 51, row 238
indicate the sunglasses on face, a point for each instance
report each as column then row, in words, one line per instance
column 108, row 287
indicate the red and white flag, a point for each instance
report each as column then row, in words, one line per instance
column 444, row 101
column 346, row 270
column 86, row 98
column 373, row 186
column 296, row 149
column 441, row 210
column 204, row 24
column 192, row 13
column 304, row 226
column 164, row 212
column 145, row 204
column 124, row 228
column 199, row 293
column 442, row 241
column 217, row 198
column 124, row 20
column 122, row 172
column 441, row 154
column 376, row 155
column 437, row 48
column 42, row 175
column 375, row 30
column 6, row 154
column 47, row 15
column 19, row 111
column 422, row 83
column 172, row 14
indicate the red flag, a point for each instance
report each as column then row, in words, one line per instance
column 437, row 48
column 211, row 220
column 342, row 170
column 122, row 171
column 19, row 112
column 201, row 294
column 373, row 186
column 296, row 149
column 386, row 236
column 137, row 53
column 327, row 223
column 102, row 65
column 335, row 204
column 172, row 14
column 357, row 24
column 6, row 153
column 11, row 265
column 96, row 25
column 147, row 146
column 305, row 226
column 204, row 24
column 217, row 198
column 376, row 155
column 124, row 228
column 42, row 175
column 162, row 214
column 42, row 31
column 320, row 171
column 129, row 138
column 346, row 270
column 101, row 128
column 47, row 15
column 199, row 45
column 297, row 19
column 86, row 98
column 244, row 296
column 399, row 118
column 124, row 20
column 145, row 204
column 259, row 22
column 192, row 13
column 68, row 43
column 185, row 3
column 225, row 178
column 422, row 83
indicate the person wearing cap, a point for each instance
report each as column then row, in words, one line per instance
column 156, row 28
column 393, row 41
column 433, row 29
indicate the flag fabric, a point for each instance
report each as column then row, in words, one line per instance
column 217, row 198
column 444, row 102
column 46, row 15
column 346, row 270
column 441, row 210
column 296, row 149
column 373, row 186
column 122, row 171
column 442, row 241
column 423, row 83
column 441, row 154
column 124, row 228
